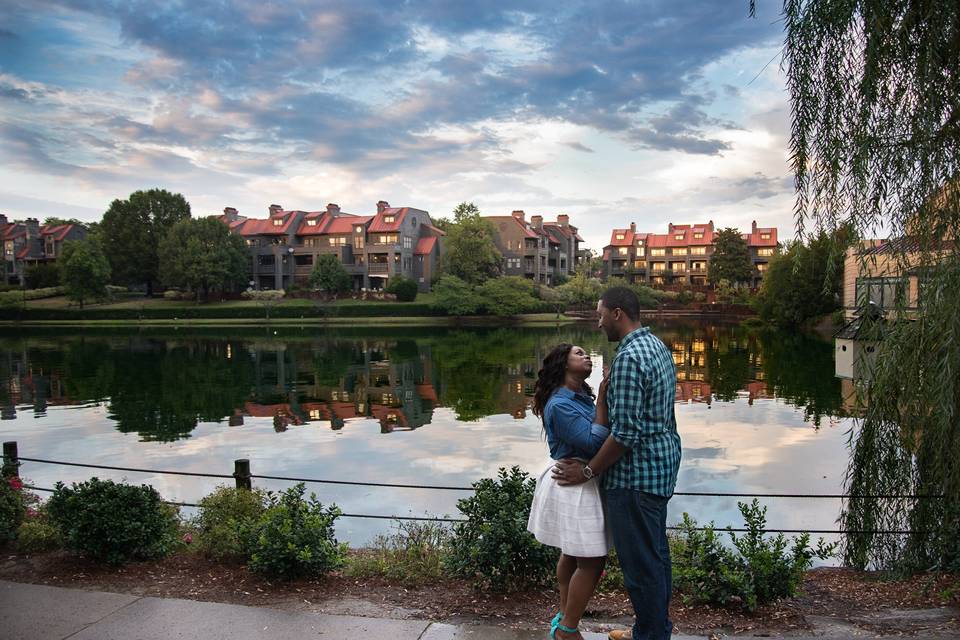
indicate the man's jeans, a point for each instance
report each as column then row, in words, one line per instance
column 638, row 522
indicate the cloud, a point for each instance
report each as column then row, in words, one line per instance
column 579, row 147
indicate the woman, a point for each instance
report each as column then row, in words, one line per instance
column 570, row 518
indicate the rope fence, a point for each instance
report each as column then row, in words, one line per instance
column 243, row 479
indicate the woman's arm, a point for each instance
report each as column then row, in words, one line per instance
column 575, row 429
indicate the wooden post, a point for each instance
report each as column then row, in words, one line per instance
column 11, row 460
column 241, row 472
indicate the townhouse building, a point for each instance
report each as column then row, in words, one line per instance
column 27, row 242
column 285, row 246
column 534, row 249
column 681, row 256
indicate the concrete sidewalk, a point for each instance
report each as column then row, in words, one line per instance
column 37, row 612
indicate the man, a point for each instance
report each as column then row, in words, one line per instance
column 639, row 461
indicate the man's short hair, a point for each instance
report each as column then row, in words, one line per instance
column 622, row 298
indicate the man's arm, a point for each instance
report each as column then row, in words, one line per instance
column 567, row 472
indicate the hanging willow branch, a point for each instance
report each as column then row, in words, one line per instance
column 875, row 145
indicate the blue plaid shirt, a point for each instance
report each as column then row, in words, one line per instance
column 640, row 399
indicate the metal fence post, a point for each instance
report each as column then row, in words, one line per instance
column 241, row 472
column 11, row 460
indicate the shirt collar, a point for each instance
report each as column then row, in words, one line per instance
column 634, row 335
column 564, row 392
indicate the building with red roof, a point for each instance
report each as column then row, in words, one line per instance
column 538, row 250
column 681, row 256
column 286, row 245
column 27, row 242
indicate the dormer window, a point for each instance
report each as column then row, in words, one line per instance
column 389, row 219
column 678, row 236
column 278, row 222
column 698, row 235
column 311, row 222
column 620, row 236
column 764, row 236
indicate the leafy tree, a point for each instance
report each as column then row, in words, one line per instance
column 84, row 270
column 329, row 276
column 507, row 296
column 469, row 251
column 55, row 221
column 802, row 283
column 875, row 106
column 42, row 274
column 268, row 298
column 133, row 229
column 731, row 258
column 582, row 290
column 202, row 255
column 404, row 288
column 454, row 297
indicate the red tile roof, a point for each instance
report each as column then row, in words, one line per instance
column 319, row 220
column 627, row 240
column 59, row 232
column 345, row 222
column 754, row 240
column 14, row 230
column 379, row 226
column 252, row 227
column 435, row 229
column 24, row 252
column 425, row 246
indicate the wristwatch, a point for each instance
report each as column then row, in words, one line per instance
column 587, row 471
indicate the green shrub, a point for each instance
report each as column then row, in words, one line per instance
column 493, row 548
column 113, row 522
column 225, row 521
column 15, row 296
column 755, row 571
column 404, row 288
column 37, row 535
column 414, row 555
column 13, row 507
column 295, row 537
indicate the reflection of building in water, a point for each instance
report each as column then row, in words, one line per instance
column 26, row 385
column 296, row 387
column 693, row 363
column 693, row 392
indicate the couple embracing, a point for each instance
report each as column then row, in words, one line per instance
column 614, row 470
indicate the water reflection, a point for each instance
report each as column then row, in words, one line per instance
column 161, row 385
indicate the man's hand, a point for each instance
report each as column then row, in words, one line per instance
column 568, row 472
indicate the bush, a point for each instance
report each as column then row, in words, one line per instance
column 113, row 522
column 13, row 507
column 225, row 521
column 15, row 296
column 414, row 555
column 507, row 296
column 42, row 275
column 404, row 288
column 493, row 548
column 37, row 535
column 295, row 538
column 756, row 571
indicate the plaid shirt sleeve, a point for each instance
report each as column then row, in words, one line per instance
column 624, row 404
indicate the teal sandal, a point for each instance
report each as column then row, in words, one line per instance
column 556, row 620
column 565, row 629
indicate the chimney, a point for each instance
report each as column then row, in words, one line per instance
column 33, row 227
column 753, row 228
column 536, row 221
column 230, row 213
column 563, row 220
column 633, row 227
column 519, row 215
column 670, row 227
column 333, row 209
column 382, row 206
column 3, row 219
column 275, row 209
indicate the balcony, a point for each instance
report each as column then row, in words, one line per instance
column 378, row 268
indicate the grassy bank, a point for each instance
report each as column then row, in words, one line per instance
column 160, row 312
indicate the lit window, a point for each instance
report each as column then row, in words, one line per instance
column 278, row 222
column 659, row 266
column 358, row 229
column 762, row 267
column 698, row 236
column 679, row 251
column 698, row 251
column 623, row 251
column 658, row 252
column 764, row 236
column 620, row 236
column 639, row 243
column 311, row 222
column 678, row 236
column 765, row 252
column 388, row 219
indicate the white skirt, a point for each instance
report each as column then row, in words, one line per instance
column 570, row 518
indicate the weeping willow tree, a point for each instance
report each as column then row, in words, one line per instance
column 874, row 88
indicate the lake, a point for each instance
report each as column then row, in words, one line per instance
column 758, row 412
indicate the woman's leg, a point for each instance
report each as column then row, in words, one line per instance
column 582, row 585
column 566, row 565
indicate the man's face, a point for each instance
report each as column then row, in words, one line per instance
column 608, row 321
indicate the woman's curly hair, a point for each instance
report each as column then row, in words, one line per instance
column 551, row 377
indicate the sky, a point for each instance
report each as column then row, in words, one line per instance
column 612, row 112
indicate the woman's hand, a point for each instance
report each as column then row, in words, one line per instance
column 601, row 417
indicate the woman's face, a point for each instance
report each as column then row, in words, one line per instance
column 578, row 362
